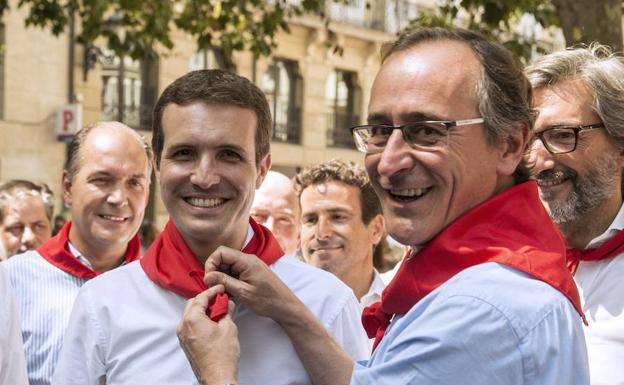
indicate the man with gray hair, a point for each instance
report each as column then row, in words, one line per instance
column 577, row 152
column 25, row 216
column 106, row 183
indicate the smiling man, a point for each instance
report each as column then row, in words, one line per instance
column 578, row 161
column 25, row 215
column 211, row 143
column 106, row 184
column 484, row 297
column 341, row 225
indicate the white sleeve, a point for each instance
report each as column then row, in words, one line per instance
column 348, row 331
column 12, row 359
column 81, row 361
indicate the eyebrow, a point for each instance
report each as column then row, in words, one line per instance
column 381, row 118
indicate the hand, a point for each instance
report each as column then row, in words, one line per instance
column 212, row 348
column 251, row 282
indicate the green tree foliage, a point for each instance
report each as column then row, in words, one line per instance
column 582, row 21
column 136, row 27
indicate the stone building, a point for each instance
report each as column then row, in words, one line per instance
column 317, row 81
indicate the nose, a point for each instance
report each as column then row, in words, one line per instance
column 118, row 196
column 28, row 239
column 205, row 173
column 270, row 223
column 324, row 229
column 395, row 157
column 539, row 157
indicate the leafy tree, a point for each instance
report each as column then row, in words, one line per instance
column 136, row 27
column 582, row 21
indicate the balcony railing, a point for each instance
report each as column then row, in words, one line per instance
column 338, row 129
column 287, row 124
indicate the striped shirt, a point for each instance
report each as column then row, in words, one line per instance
column 45, row 296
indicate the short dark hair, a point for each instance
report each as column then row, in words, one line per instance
column 17, row 188
column 503, row 90
column 215, row 87
column 348, row 173
column 73, row 164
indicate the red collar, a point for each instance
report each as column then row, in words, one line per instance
column 610, row 248
column 172, row 265
column 512, row 228
column 56, row 251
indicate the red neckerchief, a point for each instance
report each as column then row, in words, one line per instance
column 172, row 265
column 56, row 251
column 512, row 228
column 610, row 248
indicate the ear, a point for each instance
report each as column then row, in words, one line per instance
column 66, row 185
column 377, row 228
column 263, row 168
column 512, row 149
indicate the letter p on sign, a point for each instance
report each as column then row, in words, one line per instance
column 68, row 121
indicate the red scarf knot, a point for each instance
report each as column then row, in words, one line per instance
column 171, row 264
column 511, row 228
column 56, row 251
column 610, row 248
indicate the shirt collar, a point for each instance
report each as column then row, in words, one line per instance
column 74, row 251
column 614, row 227
column 374, row 291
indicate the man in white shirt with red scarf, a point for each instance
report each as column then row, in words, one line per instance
column 106, row 184
column 578, row 163
column 211, row 139
column 484, row 297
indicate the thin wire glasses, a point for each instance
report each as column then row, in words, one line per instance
column 428, row 135
column 561, row 139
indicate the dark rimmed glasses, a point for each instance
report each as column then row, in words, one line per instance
column 428, row 135
column 561, row 139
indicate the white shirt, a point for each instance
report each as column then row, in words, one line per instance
column 12, row 362
column 123, row 331
column 601, row 286
column 374, row 291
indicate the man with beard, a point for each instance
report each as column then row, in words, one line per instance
column 106, row 184
column 211, row 140
column 577, row 156
column 484, row 297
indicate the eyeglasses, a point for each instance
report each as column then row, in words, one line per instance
column 561, row 139
column 427, row 135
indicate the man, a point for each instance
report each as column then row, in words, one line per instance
column 106, row 184
column 211, row 142
column 485, row 297
column 12, row 365
column 275, row 206
column 341, row 225
column 578, row 164
column 25, row 215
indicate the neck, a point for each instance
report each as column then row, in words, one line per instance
column 101, row 257
column 578, row 233
column 202, row 248
column 359, row 280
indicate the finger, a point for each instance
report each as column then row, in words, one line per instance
column 232, row 285
column 199, row 304
column 231, row 308
column 225, row 258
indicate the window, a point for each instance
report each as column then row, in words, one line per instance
column 129, row 90
column 283, row 88
column 343, row 101
column 210, row 59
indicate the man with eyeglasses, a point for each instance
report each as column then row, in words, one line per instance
column 577, row 156
column 484, row 296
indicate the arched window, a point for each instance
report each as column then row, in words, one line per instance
column 210, row 59
column 283, row 88
column 342, row 97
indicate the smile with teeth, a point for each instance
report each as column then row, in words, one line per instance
column 553, row 179
column 410, row 193
column 113, row 218
column 205, row 202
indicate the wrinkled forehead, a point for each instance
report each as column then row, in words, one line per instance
column 435, row 78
